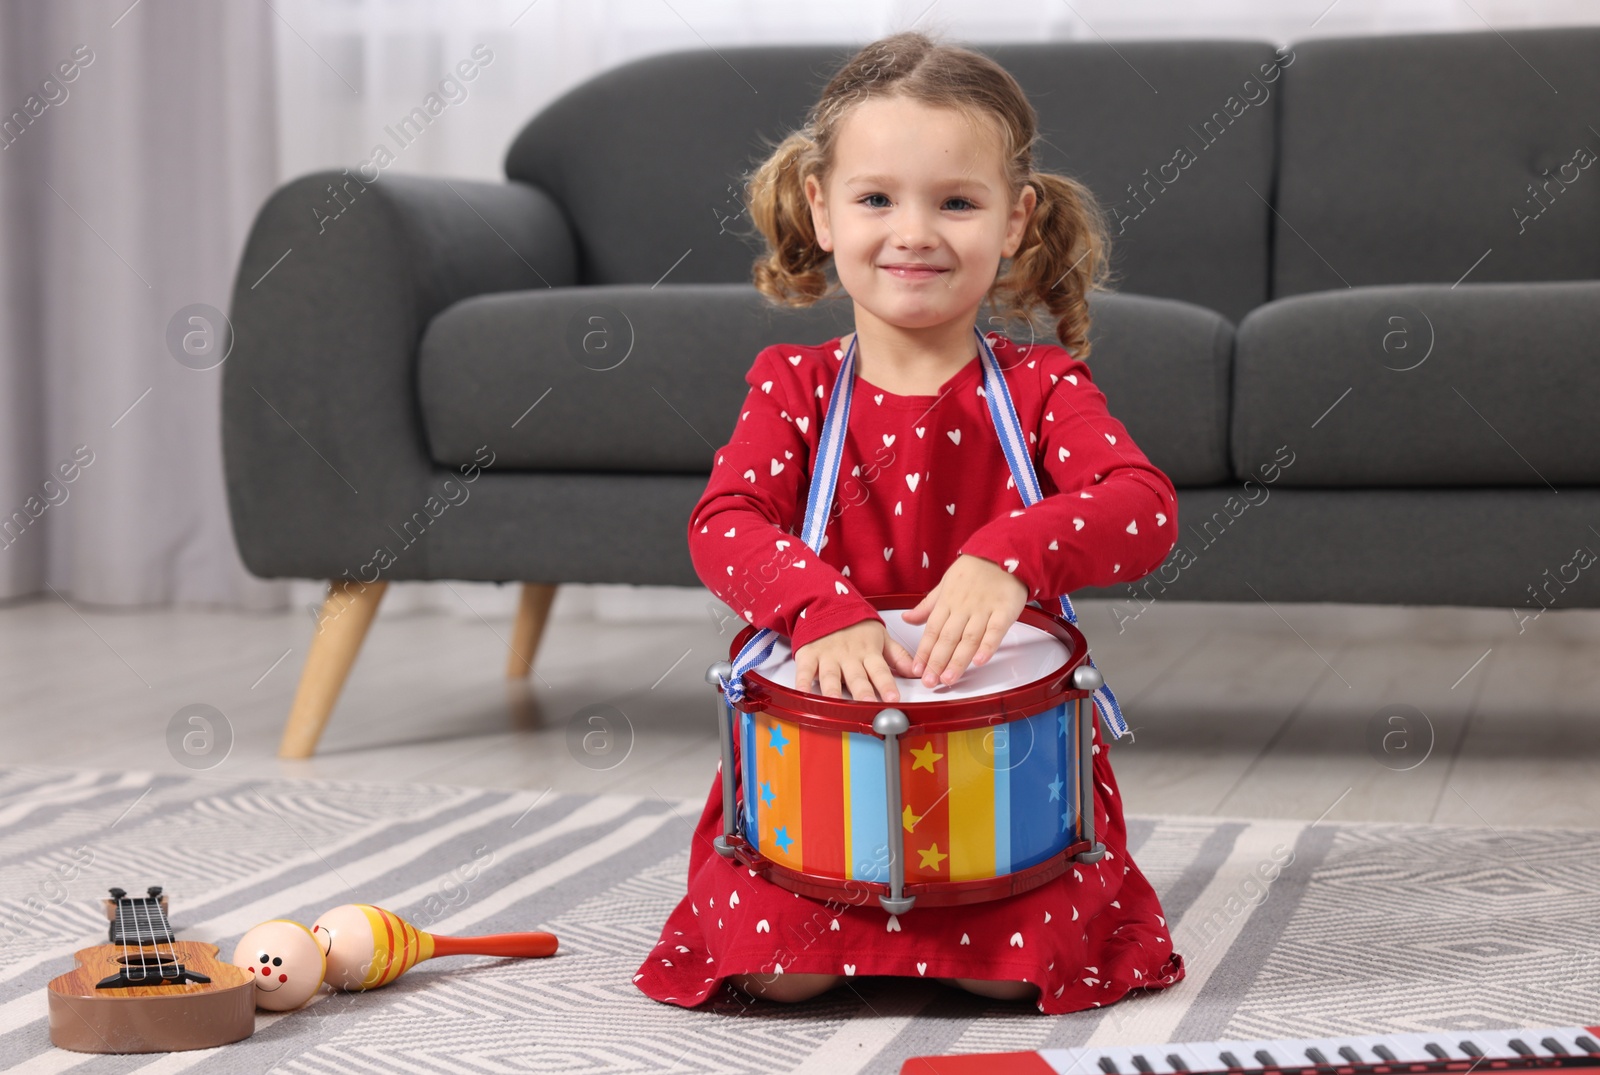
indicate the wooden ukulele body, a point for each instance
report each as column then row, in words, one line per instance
column 152, row 1018
column 147, row 991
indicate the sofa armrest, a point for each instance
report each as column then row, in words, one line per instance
column 324, row 451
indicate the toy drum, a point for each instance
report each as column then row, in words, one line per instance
column 954, row 794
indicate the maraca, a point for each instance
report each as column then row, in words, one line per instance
column 286, row 961
column 367, row 947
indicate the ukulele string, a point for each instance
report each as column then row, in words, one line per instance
column 118, row 921
column 166, row 930
column 148, row 907
column 141, row 921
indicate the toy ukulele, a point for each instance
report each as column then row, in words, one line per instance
column 147, row 992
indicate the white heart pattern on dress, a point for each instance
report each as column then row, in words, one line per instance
column 1055, row 545
column 951, row 508
column 849, row 968
column 921, row 430
column 887, row 553
column 766, row 386
column 1011, row 566
column 803, row 423
column 731, row 529
column 1161, row 518
column 840, row 587
column 878, row 398
column 964, row 939
column 782, row 544
column 776, row 468
column 762, row 927
column 733, row 900
column 1016, row 940
column 1111, row 437
column 1062, row 455
column 750, row 474
column 800, row 564
column 893, row 925
column 1077, row 524
column 912, row 479
column 794, row 360
column 1073, row 377
column 1133, row 526
column 954, row 435
column 888, row 440
column 922, row 968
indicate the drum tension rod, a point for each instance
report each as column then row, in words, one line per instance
column 715, row 675
column 891, row 724
column 1087, row 678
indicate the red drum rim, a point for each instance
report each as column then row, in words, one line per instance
column 1023, row 700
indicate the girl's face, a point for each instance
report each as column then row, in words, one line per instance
column 916, row 213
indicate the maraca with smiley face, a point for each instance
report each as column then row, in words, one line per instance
column 286, row 961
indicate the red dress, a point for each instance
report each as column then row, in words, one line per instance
column 922, row 480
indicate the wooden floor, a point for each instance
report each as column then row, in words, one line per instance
column 1242, row 710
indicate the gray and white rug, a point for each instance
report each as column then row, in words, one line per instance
column 1369, row 928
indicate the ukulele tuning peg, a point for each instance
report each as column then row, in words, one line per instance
column 153, row 891
column 118, row 893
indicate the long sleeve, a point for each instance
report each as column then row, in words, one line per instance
column 742, row 533
column 1113, row 517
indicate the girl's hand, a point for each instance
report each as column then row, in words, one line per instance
column 967, row 615
column 860, row 655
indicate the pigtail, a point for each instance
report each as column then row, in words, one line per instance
column 792, row 269
column 1064, row 255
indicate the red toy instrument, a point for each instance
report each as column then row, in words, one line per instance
column 955, row 794
column 1533, row 1050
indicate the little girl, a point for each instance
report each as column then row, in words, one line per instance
column 914, row 175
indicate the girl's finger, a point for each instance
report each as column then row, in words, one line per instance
column 882, row 681
column 899, row 660
column 944, row 646
column 829, row 677
column 992, row 639
column 971, row 639
column 930, row 635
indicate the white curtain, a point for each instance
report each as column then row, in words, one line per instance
column 141, row 136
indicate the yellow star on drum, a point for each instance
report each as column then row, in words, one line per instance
column 932, row 857
column 911, row 819
column 925, row 756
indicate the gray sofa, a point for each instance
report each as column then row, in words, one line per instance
column 1355, row 320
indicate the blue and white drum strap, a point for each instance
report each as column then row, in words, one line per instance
column 825, row 477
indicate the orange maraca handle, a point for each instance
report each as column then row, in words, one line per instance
column 497, row 944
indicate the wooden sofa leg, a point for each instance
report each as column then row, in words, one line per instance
column 346, row 615
column 532, row 612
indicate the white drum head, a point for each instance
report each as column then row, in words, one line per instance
column 1025, row 654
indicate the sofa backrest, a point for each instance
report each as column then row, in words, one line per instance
column 1429, row 158
column 1175, row 138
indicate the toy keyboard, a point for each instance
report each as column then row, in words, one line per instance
column 1502, row 1051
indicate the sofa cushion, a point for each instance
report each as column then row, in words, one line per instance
column 1175, row 138
column 634, row 379
column 1420, row 158
column 1482, row 384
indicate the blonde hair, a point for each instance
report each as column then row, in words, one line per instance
column 1066, row 245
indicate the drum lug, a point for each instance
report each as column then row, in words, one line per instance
column 1094, row 854
column 715, row 675
column 891, row 724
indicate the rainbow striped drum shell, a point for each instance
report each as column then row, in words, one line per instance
column 993, row 783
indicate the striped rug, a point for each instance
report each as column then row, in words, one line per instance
column 1289, row 929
